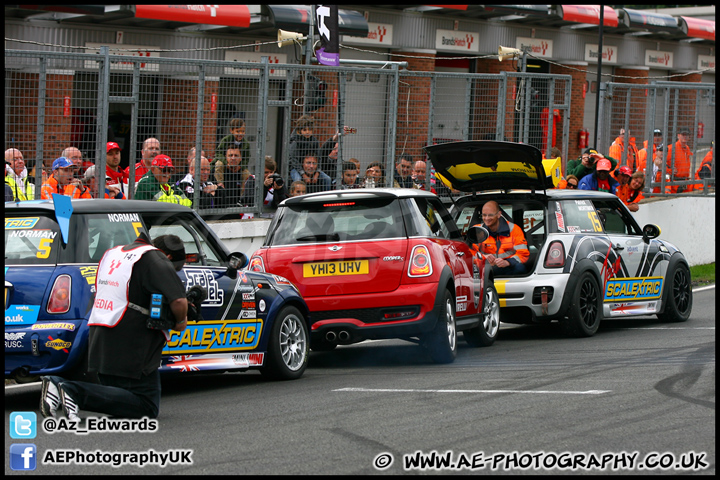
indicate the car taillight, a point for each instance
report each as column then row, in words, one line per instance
column 555, row 256
column 420, row 263
column 60, row 295
column 256, row 265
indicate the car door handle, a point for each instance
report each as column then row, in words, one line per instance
column 617, row 247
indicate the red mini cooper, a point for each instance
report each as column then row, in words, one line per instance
column 382, row 263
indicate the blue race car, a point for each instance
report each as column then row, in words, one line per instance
column 52, row 249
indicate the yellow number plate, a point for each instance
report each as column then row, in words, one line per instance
column 330, row 269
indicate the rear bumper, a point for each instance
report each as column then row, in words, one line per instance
column 363, row 317
column 518, row 292
column 45, row 348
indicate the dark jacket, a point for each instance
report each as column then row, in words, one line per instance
column 299, row 148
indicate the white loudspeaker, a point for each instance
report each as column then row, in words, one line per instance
column 287, row 38
column 505, row 53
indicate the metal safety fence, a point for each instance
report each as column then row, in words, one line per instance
column 56, row 100
column 674, row 122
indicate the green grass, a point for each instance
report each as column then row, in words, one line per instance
column 703, row 274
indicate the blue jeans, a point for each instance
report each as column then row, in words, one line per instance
column 514, row 268
column 120, row 397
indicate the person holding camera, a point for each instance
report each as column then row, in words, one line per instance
column 124, row 342
column 585, row 165
column 274, row 190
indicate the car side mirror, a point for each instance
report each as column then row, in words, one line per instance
column 477, row 234
column 236, row 261
column 650, row 231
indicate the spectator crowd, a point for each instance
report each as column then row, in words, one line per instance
column 227, row 181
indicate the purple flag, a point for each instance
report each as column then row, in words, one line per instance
column 326, row 25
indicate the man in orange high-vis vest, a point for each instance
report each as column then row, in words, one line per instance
column 506, row 248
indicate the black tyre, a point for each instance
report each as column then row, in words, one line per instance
column 288, row 348
column 485, row 334
column 442, row 341
column 678, row 299
column 585, row 307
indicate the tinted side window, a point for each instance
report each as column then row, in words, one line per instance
column 431, row 219
column 615, row 219
column 198, row 251
column 574, row 216
column 105, row 231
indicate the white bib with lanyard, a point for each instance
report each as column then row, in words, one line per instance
column 111, row 285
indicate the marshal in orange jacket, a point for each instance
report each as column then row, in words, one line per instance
column 507, row 242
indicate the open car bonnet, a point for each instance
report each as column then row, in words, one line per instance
column 489, row 165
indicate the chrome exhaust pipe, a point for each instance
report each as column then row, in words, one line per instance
column 330, row 336
column 344, row 336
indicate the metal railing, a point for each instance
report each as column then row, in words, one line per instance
column 55, row 100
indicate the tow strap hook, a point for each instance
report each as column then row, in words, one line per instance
column 544, row 299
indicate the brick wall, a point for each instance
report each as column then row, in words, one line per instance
column 178, row 119
column 577, row 108
column 413, row 117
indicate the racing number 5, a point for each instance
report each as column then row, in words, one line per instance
column 44, row 248
column 595, row 221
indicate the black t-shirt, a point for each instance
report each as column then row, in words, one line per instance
column 130, row 349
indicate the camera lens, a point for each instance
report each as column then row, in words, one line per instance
column 279, row 181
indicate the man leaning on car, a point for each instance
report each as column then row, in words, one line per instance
column 506, row 248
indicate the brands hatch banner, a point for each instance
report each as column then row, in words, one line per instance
column 326, row 24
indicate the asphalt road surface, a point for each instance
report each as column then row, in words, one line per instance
column 638, row 397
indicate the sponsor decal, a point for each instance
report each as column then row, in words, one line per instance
column 20, row 223
column 54, row 326
column 248, row 314
column 261, row 305
column 206, row 279
column 248, row 296
column 58, row 344
column 216, row 337
column 14, row 339
column 281, row 280
column 123, row 217
column 33, row 234
column 89, row 273
column 21, row 314
column 633, row 289
column 248, row 359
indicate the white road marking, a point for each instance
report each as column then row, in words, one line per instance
column 413, row 390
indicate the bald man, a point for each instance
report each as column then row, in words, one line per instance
column 506, row 248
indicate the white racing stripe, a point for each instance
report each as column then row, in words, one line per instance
column 413, row 390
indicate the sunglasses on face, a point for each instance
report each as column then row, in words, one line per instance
column 571, row 185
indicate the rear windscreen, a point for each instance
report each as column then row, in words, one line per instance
column 31, row 240
column 334, row 221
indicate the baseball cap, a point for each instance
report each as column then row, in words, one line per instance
column 590, row 151
column 657, row 131
column 603, row 164
column 625, row 170
column 62, row 162
column 162, row 161
column 112, row 146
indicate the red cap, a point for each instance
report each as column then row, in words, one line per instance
column 625, row 170
column 603, row 164
column 112, row 146
column 162, row 161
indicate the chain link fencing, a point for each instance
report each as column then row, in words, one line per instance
column 55, row 100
